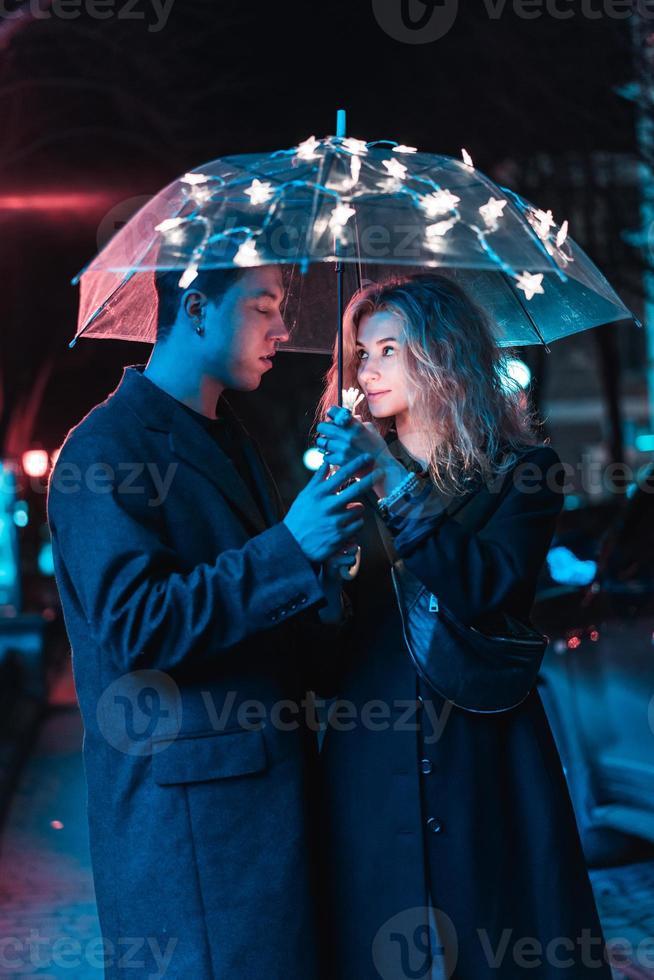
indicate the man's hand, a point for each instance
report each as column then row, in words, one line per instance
column 319, row 518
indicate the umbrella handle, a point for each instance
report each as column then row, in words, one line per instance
column 347, row 574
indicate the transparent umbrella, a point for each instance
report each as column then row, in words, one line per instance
column 337, row 211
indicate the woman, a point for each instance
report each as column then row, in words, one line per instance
column 451, row 848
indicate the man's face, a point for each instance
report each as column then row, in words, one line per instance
column 244, row 327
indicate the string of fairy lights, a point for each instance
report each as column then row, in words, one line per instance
column 439, row 204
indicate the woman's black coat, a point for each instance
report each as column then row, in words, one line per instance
column 507, row 874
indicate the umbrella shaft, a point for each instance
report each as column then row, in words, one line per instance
column 339, row 288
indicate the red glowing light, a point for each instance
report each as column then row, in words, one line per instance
column 574, row 642
column 35, row 462
column 594, row 635
column 56, row 825
column 54, row 201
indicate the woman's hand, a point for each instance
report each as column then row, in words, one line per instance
column 345, row 438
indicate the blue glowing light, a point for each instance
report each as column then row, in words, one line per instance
column 46, row 562
column 312, row 459
column 516, row 372
column 566, row 569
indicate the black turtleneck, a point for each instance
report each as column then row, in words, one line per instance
column 228, row 435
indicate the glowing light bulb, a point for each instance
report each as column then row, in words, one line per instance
column 193, row 179
column 35, row 462
column 247, row 253
column 340, row 216
column 395, row 168
column 354, row 146
column 307, row 149
column 492, row 211
column 440, row 229
column 440, row 202
column 530, row 284
column 313, row 459
column 188, row 276
column 259, row 191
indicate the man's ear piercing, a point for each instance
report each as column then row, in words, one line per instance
column 199, row 327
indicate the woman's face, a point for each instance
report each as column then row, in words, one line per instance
column 381, row 373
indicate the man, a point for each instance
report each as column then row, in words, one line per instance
column 186, row 599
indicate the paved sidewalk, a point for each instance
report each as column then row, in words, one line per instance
column 48, row 921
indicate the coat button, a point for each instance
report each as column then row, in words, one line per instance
column 303, row 599
column 425, row 767
column 433, row 825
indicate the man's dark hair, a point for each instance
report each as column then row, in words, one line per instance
column 213, row 282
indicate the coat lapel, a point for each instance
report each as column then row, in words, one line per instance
column 190, row 443
column 268, row 492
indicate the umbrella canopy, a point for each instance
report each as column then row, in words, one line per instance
column 367, row 209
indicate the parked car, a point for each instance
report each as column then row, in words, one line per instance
column 597, row 679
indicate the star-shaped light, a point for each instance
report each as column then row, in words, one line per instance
column 405, row 149
column 395, row 168
column 562, row 234
column 194, row 179
column 259, row 191
column 247, row 253
column 467, row 159
column 542, row 222
column 390, row 185
column 530, row 284
column 354, row 146
column 172, row 229
column 340, row 217
column 188, row 276
column 440, row 202
column 492, row 211
column 561, row 257
column 198, row 187
column 168, row 224
column 351, row 398
column 307, row 149
column 438, row 231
